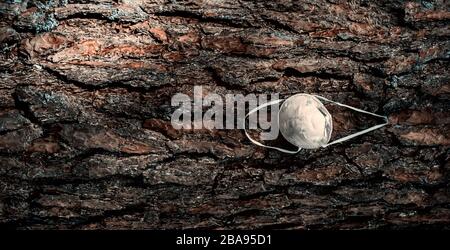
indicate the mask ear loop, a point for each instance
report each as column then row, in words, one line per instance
column 258, row 143
column 345, row 138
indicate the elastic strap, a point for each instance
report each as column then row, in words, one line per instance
column 345, row 138
column 258, row 143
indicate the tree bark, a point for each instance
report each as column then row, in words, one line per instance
column 86, row 140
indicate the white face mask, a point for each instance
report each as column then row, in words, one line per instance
column 306, row 123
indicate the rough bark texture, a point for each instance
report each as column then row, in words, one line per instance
column 85, row 134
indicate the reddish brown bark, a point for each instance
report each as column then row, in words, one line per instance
column 85, row 134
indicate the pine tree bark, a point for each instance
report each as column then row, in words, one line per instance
column 85, row 134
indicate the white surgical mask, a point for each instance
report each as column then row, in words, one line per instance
column 306, row 123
